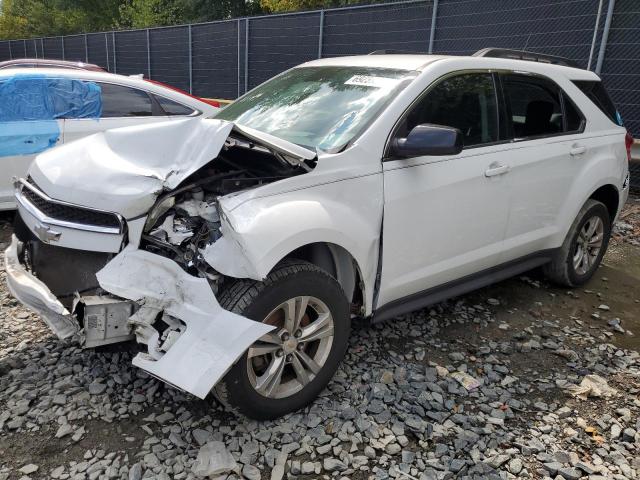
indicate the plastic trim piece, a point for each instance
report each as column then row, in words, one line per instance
column 461, row 286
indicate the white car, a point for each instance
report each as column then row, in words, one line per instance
column 237, row 249
column 42, row 108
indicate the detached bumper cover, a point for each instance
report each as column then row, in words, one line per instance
column 214, row 338
column 36, row 295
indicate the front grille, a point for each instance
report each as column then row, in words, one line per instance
column 69, row 213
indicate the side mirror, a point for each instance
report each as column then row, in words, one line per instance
column 427, row 139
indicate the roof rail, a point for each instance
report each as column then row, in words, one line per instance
column 523, row 55
column 389, row 52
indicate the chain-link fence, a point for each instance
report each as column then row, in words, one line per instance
column 226, row 58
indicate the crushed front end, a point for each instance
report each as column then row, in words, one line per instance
column 112, row 276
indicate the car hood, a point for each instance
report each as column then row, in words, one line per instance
column 125, row 169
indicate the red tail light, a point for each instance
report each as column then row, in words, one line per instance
column 628, row 142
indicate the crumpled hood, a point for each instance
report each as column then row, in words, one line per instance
column 125, row 169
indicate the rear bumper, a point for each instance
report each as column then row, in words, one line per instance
column 34, row 294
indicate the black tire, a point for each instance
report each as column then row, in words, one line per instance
column 561, row 269
column 256, row 300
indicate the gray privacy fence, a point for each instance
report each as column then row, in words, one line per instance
column 226, row 58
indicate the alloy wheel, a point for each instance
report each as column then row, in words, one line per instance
column 284, row 361
column 588, row 245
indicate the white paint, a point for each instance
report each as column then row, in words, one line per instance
column 443, row 217
column 123, row 170
column 36, row 295
column 214, row 339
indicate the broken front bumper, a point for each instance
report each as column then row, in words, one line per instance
column 211, row 342
column 214, row 338
column 36, row 295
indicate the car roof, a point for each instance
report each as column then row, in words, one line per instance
column 106, row 77
column 53, row 62
column 420, row 62
column 407, row 62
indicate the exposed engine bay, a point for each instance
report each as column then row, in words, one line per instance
column 185, row 220
column 147, row 274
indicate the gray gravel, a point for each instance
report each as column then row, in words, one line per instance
column 478, row 387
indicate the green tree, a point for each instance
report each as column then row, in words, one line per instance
column 30, row 18
column 296, row 5
column 206, row 10
column 152, row 13
column 11, row 24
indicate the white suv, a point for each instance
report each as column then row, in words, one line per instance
column 236, row 249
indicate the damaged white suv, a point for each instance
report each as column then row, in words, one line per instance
column 237, row 249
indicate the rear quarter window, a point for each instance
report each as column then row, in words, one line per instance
column 599, row 96
column 172, row 108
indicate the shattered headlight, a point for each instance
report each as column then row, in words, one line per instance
column 159, row 209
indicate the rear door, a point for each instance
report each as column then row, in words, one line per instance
column 547, row 152
column 124, row 106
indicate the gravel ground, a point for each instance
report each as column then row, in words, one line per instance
column 482, row 386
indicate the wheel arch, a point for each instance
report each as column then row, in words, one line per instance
column 338, row 262
column 608, row 195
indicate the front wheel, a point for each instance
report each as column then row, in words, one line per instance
column 583, row 249
column 286, row 369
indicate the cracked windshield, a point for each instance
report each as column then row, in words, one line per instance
column 322, row 108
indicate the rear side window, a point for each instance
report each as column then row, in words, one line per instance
column 173, row 108
column 120, row 101
column 538, row 107
column 535, row 106
column 598, row 95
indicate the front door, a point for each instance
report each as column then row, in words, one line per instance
column 445, row 216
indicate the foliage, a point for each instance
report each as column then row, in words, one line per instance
column 38, row 18
column 295, row 5
column 29, row 18
column 151, row 13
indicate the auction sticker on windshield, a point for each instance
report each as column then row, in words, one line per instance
column 374, row 82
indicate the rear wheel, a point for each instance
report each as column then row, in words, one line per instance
column 583, row 249
column 287, row 368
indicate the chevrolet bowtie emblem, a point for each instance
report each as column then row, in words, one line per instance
column 45, row 234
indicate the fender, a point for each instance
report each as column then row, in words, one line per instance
column 259, row 233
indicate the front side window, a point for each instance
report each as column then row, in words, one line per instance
column 318, row 107
column 466, row 102
column 120, row 101
column 535, row 106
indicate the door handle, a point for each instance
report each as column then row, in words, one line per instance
column 496, row 169
column 577, row 150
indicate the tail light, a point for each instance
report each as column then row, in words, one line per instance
column 628, row 142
